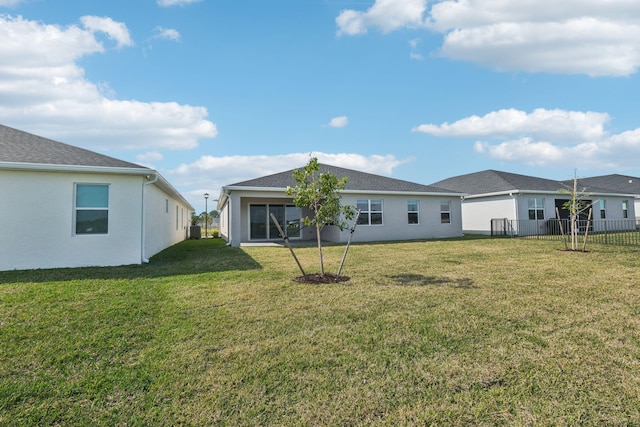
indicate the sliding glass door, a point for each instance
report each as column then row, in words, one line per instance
column 262, row 227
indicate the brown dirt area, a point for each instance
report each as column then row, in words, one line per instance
column 317, row 278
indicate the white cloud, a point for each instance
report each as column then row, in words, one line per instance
column 168, row 3
column 166, row 34
column 414, row 44
column 210, row 173
column 44, row 90
column 569, row 37
column 150, row 156
column 541, row 123
column 386, row 15
column 546, row 138
column 115, row 30
column 578, row 46
column 10, row 3
column 339, row 122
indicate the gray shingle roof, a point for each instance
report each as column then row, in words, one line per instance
column 357, row 181
column 492, row 181
column 22, row 147
column 623, row 184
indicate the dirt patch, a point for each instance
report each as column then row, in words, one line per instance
column 317, row 278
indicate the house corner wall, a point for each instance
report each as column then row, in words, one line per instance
column 167, row 221
column 37, row 228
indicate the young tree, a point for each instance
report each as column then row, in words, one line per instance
column 319, row 192
column 576, row 205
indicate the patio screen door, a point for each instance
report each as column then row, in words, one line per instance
column 261, row 227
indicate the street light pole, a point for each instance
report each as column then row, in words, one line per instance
column 206, row 220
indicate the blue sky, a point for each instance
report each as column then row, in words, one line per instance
column 210, row 93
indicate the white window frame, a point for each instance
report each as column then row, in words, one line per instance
column 536, row 209
column 603, row 208
column 77, row 208
column 415, row 212
column 369, row 211
column 446, row 211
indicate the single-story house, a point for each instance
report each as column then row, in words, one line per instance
column 64, row 206
column 391, row 209
column 619, row 184
column 528, row 202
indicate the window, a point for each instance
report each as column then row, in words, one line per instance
column 536, row 208
column 412, row 211
column 176, row 217
column 370, row 212
column 603, row 209
column 166, row 205
column 92, row 209
column 445, row 211
column 625, row 209
column 262, row 227
column 293, row 219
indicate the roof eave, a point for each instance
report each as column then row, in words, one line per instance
column 404, row 193
column 170, row 189
column 559, row 192
column 228, row 188
column 43, row 167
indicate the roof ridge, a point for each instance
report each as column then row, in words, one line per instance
column 357, row 181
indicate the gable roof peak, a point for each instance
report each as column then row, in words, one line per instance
column 356, row 181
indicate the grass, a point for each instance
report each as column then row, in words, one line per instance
column 456, row 332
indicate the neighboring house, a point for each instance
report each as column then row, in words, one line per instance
column 528, row 202
column 617, row 183
column 64, row 206
column 391, row 209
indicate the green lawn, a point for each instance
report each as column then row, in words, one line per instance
column 457, row 332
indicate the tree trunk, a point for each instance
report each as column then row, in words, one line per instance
column 320, row 249
column 574, row 215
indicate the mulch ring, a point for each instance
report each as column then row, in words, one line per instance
column 317, row 278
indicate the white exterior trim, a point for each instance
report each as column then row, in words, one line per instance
column 39, row 167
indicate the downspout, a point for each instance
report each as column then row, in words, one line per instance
column 144, row 214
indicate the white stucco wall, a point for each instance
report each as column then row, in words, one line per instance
column 167, row 220
column 224, row 220
column 234, row 218
column 478, row 213
column 37, row 221
column 37, row 227
column 395, row 224
column 613, row 205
